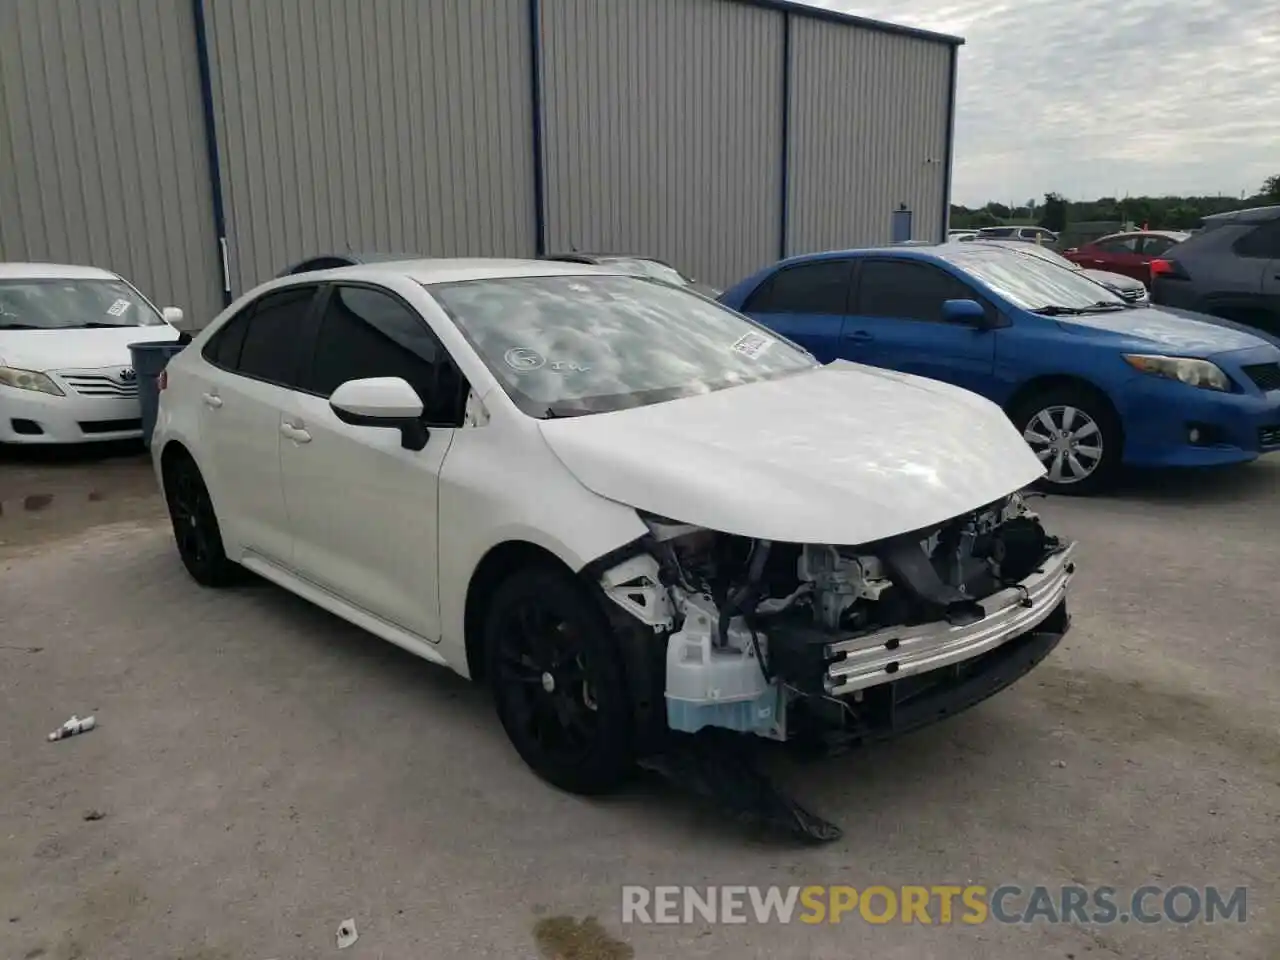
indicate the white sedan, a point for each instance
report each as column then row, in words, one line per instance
column 630, row 509
column 66, row 373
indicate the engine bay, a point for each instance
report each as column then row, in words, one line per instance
column 751, row 625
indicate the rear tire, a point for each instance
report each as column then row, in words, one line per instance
column 1077, row 437
column 195, row 525
column 555, row 669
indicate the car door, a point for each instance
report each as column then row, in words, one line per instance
column 896, row 322
column 253, row 363
column 1257, row 265
column 363, row 509
column 807, row 304
column 1120, row 255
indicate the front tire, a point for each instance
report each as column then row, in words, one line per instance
column 1077, row 437
column 556, row 673
column 195, row 525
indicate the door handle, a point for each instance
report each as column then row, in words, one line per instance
column 859, row 336
column 211, row 400
column 296, row 434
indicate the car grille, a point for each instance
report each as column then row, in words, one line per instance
column 115, row 385
column 1265, row 375
column 1268, row 438
column 1132, row 294
column 110, row 426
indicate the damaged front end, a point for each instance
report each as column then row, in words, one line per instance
column 844, row 643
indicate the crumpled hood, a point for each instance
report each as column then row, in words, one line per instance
column 842, row 454
column 73, row 349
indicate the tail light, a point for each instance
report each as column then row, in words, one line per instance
column 163, row 380
column 1169, row 269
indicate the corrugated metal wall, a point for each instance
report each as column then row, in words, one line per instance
column 408, row 126
column 869, row 127
column 663, row 126
column 101, row 146
column 390, row 125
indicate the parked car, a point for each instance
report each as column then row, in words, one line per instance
column 958, row 235
column 1090, row 381
column 66, row 374
column 1126, row 288
column 631, row 510
column 348, row 258
column 1025, row 234
column 1129, row 253
column 1230, row 268
column 650, row 267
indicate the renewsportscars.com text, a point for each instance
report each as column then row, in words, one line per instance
column 934, row 904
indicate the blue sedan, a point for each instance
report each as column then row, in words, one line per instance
column 1091, row 381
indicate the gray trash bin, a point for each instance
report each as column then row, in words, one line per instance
column 149, row 360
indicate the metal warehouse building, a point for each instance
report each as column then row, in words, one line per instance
column 199, row 146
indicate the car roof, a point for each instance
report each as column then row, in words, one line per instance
column 444, row 270
column 931, row 252
column 1168, row 234
column 53, row 271
column 1251, row 215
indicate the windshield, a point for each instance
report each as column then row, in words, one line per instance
column 564, row 346
column 65, row 304
column 1032, row 283
column 648, row 268
column 1047, row 255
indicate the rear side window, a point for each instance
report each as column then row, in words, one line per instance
column 1155, row 246
column 275, row 332
column 1261, row 243
column 370, row 333
column 814, row 288
column 223, row 348
column 909, row 291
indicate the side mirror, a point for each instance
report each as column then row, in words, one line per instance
column 382, row 402
column 174, row 317
column 969, row 312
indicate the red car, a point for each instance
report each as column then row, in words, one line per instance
column 1127, row 253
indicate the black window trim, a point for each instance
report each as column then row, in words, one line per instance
column 249, row 311
column 994, row 313
column 765, row 287
column 326, row 292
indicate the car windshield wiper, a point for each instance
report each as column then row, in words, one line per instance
column 1056, row 310
column 558, row 411
column 1102, row 305
column 19, row 326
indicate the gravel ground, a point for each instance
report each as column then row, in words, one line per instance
column 262, row 771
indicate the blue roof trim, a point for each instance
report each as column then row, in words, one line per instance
column 849, row 19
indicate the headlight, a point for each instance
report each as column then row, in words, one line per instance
column 29, row 380
column 1197, row 373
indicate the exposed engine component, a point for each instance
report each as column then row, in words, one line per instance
column 750, row 623
column 838, row 582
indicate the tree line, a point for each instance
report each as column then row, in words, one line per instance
column 1158, row 213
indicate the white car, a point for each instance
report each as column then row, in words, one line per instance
column 66, row 374
column 630, row 509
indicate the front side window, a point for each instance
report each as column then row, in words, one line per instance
column 273, row 337
column 370, row 333
column 1156, row 246
column 71, row 304
column 907, row 290
column 566, row 346
column 820, row 288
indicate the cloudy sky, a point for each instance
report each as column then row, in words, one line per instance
column 1102, row 97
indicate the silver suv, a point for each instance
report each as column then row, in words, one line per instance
column 1229, row 268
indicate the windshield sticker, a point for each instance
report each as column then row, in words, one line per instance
column 753, row 345
column 523, row 359
column 118, row 308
